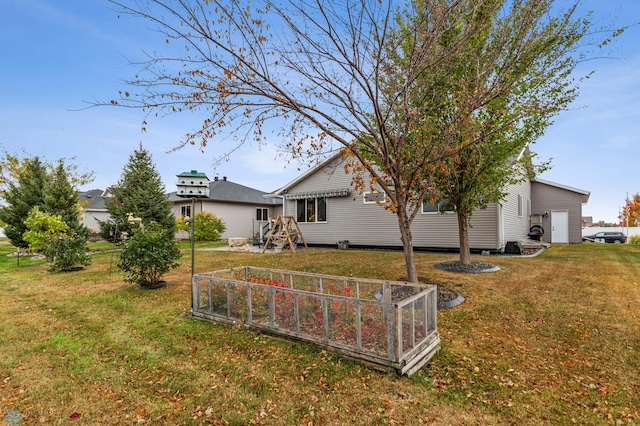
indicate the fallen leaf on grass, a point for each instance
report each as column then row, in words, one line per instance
column 75, row 416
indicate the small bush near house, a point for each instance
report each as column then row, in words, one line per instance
column 634, row 239
column 207, row 226
column 148, row 255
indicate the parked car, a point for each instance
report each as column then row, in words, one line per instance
column 606, row 237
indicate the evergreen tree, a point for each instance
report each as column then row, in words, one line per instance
column 140, row 192
column 21, row 196
column 61, row 198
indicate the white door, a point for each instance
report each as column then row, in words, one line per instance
column 560, row 227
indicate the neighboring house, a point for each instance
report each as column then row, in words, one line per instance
column 93, row 208
column 328, row 210
column 242, row 209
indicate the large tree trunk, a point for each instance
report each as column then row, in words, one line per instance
column 463, row 233
column 407, row 245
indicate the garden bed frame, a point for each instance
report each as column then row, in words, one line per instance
column 338, row 313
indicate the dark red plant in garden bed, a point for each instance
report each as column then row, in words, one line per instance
column 341, row 316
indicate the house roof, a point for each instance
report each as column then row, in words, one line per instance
column 223, row 190
column 193, row 173
column 585, row 194
column 95, row 197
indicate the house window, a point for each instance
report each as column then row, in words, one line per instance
column 185, row 211
column 374, row 197
column 262, row 214
column 528, row 208
column 428, row 208
column 519, row 205
column 311, row 210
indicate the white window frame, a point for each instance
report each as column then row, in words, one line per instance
column 185, row 211
column 438, row 204
column 315, row 201
column 374, row 197
column 264, row 214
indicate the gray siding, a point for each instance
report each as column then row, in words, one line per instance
column 516, row 226
column 549, row 198
column 90, row 219
column 238, row 218
column 348, row 218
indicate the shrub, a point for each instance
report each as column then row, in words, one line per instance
column 207, row 226
column 42, row 228
column 64, row 247
column 66, row 251
column 634, row 239
column 148, row 254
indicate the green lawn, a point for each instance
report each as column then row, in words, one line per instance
column 547, row 340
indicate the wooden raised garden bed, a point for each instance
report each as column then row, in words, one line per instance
column 387, row 323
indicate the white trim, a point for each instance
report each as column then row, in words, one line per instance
column 437, row 212
column 553, row 226
column 520, row 205
column 364, row 197
column 315, row 202
column 500, row 219
column 303, row 176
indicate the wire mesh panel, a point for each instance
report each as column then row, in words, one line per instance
column 202, row 298
column 260, row 305
column 217, row 294
column 284, row 309
column 342, row 322
column 374, row 330
column 311, row 316
column 384, row 322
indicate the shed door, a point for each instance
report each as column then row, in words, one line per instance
column 560, row 227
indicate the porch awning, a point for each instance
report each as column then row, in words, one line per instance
column 327, row 193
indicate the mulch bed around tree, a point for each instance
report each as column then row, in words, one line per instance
column 447, row 298
column 473, row 268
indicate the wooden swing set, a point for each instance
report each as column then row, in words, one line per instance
column 284, row 232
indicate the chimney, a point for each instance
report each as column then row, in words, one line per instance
column 215, row 178
column 224, row 178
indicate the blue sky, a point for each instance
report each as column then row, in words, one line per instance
column 57, row 54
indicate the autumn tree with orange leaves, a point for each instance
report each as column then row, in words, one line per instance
column 634, row 211
column 371, row 78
